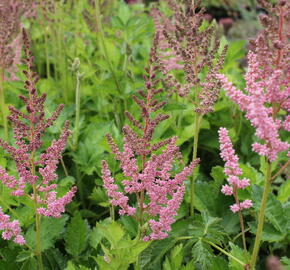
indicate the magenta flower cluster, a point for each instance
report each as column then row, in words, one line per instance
column 232, row 170
column 163, row 192
column 11, row 229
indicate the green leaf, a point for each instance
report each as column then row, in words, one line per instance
column 275, row 213
column 174, row 261
column 112, row 232
column 70, row 266
column 284, row 192
column 219, row 263
column 55, row 227
column 99, row 195
column 151, row 258
column 270, row 233
column 202, row 253
column 24, row 255
column 217, row 173
column 77, row 235
column 54, row 258
column 286, row 262
column 30, row 264
column 240, row 254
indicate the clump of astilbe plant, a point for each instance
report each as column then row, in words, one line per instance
column 267, row 96
column 158, row 194
column 36, row 169
column 197, row 50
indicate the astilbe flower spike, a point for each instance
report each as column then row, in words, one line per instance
column 192, row 50
column 158, row 194
column 35, row 170
column 232, row 170
column 11, row 12
column 197, row 54
column 267, row 82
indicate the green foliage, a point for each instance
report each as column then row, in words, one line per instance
column 77, row 235
column 54, row 226
column 119, row 250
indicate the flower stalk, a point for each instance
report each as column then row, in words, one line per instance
column 2, row 103
column 261, row 218
column 198, row 119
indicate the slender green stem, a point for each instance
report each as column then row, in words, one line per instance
column 112, row 212
column 280, row 171
column 78, row 110
column 38, row 230
column 2, row 104
column 80, row 186
column 47, row 55
column 64, row 167
column 241, row 218
column 267, row 189
column 198, row 118
column 223, row 251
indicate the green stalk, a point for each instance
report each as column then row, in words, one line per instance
column 2, row 104
column 223, row 251
column 47, row 55
column 78, row 110
column 198, row 118
column 267, row 189
column 37, row 221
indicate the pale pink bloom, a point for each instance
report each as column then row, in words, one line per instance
column 227, row 190
column 11, row 229
column 246, row 204
column 235, row 208
column 264, row 86
column 232, row 170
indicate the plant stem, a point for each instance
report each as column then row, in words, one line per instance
column 223, row 251
column 261, row 217
column 38, row 230
column 280, row 171
column 240, row 217
column 78, row 110
column 2, row 104
column 198, row 118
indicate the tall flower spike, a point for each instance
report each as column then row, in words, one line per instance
column 267, row 82
column 195, row 51
column 11, row 12
column 232, row 170
column 158, row 194
column 35, row 169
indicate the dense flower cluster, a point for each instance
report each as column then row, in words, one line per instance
column 11, row 12
column 267, row 82
column 194, row 50
column 152, row 182
column 232, row 170
column 165, row 193
column 11, row 229
column 37, row 171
